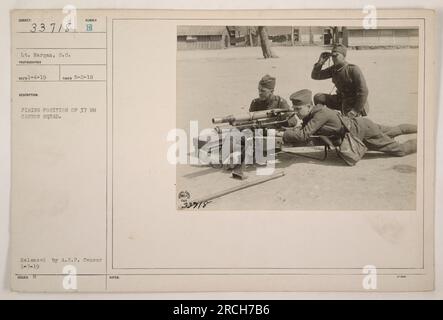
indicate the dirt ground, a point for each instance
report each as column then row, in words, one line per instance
column 213, row 83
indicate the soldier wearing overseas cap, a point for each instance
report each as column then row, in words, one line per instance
column 267, row 100
column 321, row 120
column 352, row 92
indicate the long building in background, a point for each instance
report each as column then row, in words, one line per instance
column 222, row 37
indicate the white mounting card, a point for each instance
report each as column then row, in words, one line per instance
column 120, row 178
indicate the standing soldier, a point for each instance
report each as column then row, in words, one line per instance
column 352, row 92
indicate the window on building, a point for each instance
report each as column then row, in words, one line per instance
column 215, row 37
column 296, row 35
column 191, row 38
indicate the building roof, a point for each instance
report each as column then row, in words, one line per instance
column 383, row 28
column 200, row 30
column 279, row 30
column 272, row 30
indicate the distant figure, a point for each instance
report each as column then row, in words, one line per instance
column 352, row 92
column 320, row 120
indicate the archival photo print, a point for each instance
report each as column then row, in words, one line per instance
column 297, row 117
column 223, row 151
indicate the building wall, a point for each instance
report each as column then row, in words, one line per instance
column 281, row 35
column 202, row 42
column 310, row 35
column 383, row 37
column 306, row 36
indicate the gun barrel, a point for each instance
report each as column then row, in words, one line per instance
column 248, row 117
column 227, row 119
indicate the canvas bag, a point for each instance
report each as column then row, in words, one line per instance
column 352, row 149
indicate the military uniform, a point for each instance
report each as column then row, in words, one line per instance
column 274, row 102
column 325, row 121
column 352, row 91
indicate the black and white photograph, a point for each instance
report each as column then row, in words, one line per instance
column 340, row 104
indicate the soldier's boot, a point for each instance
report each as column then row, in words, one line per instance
column 408, row 128
column 409, row 147
column 400, row 129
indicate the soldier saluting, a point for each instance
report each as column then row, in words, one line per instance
column 352, row 92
